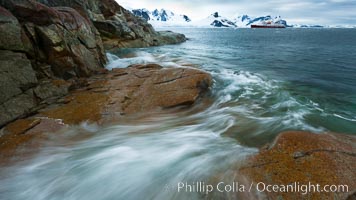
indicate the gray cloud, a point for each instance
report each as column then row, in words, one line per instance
column 329, row 12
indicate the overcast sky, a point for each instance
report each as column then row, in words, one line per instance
column 328, row 12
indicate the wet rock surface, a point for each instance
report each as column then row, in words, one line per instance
column 135, row 89
column 62, row 38
column 110, row 97
column 16, row 80
column 302, row 157
column 48, row 46
column 117, row 26
column 19, row 138
column 42, row 47
column 160, row 38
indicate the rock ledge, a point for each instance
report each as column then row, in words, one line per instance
column 302, row 157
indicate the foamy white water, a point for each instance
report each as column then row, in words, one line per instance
column 131, row 161
column 263, row 85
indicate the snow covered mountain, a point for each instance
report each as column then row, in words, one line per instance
column 215, row 20
column 162, row 17
column 245, row 21
column 167, row 18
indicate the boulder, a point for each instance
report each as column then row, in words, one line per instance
column 165, row 87
column 169, row 37
column 136, row 89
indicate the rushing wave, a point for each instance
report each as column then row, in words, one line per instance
column 251, row 99
column 126, row 161
column 262, row 102
column 146, row 156
column 140, row 58
column 345, row 118
column 253, row 96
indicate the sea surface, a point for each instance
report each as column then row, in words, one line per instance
column 266, row 81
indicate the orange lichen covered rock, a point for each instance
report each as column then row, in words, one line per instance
column 303, row 158
column 108, row 96
column 137, row 88
column 23, row 131
column 82, row 106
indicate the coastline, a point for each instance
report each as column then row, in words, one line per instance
column 54, row 94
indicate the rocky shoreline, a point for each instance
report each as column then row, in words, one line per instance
column 52, row 58
column 110, row 97
column 47, row 44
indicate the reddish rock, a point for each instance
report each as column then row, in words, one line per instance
column 58, row 40
column 302, row 157
column 118, row 27
column 24, row 133
column 165, row 87
column 79, row 107
column 109, row 7
column 6, row 16
column 61, row 37
column 106, row 97
column 137, row 88
column 39, row 14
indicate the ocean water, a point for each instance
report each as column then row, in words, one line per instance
column 280, row 79
column 266, row 81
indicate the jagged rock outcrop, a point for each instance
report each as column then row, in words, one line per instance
column 46, row 45
column 118, row 26
column 60, row 37
column 111, row 20
column 40, row 46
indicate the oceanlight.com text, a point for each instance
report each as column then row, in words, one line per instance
column 301, row 188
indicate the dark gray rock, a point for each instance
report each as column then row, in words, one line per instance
column 10, row 32
column 16, row 74
column 48, row 90
column 114, row 29
column 19, row 106
column 43, row 41
column 117, row 26
column 60, row 33
column 169, row 37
